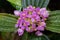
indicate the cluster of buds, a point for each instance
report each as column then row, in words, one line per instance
column 31, row 19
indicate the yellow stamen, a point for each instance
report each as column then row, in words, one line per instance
column 30, row 27
column 26, row 19
column 30, row 12
column 45, row 19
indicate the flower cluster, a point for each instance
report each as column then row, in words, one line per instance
column 31, row 19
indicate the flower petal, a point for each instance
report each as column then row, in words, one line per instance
column 17, row 13
column 38, row 33
column 20, row 32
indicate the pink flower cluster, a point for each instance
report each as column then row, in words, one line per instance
column 31, row 19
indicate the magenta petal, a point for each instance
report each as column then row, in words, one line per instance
column 34, row 14
column 38, row 33
column 17, row 13
column 43, row 9
column 22, row 27
column 41, row 28
column 25, row 10
column 23, row 15
column 28, row 29
column 42, row 20
column 44, row 12
column 20, row 32
column 27, row 23
column 43, row 24
column 38, row 9
column 18, row 23
column 30, row 8
column 37, row 18
column 21, row 22
column 32, row 19
column 33, row 26
column 29, row 16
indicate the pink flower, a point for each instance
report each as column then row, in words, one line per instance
column 31, row 20
column 20, row 32
column 29, row 29
column 43, row 24
column 30, row 8
column 17, row 13
column 38, row 18
column 37, row 9
column 40, row 28
column 38, row 33
column 44, row 12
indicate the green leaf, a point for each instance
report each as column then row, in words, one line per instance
column 24, row 3
column 34, row 37
column 16, row 3
column 25, row 36
column 7, row 22
column 53, row 22
column 45, row 3
column 36, row 3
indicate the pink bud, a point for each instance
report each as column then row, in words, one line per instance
column 20, row 32
column 16, row 12
column 38, row 33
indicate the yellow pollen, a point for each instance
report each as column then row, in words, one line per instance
column 30, row 12
column 45, row 19
column 30, row 27
column 41, row 23
column 30, row 21
column 26, row 19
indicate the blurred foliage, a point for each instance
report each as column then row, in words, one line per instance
column 7, row 22
column 34, row 37
column 53, row 22
column 36, row 3
column 16, row 3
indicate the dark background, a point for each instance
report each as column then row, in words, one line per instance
column 8, row 8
